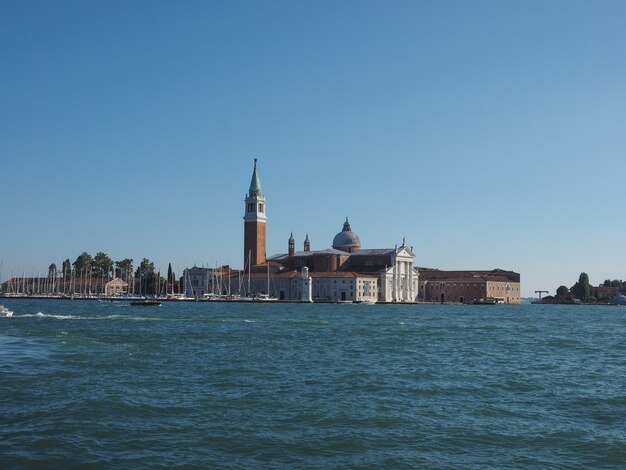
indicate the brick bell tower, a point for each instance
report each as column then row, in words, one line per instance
column 254, row 224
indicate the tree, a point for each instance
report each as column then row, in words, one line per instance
column 102, row 265
column 146, row 267
column 83, row 262
column 170, row 279
column 67, row 269
column 147, row 277
column 582, row 289
column 562, row 291
column 124, row 268
column 52, row 271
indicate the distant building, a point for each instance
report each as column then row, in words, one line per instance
column 344, row 272
column 469, row 286
column 85, row 287
column 116, row 287
column 199, row 282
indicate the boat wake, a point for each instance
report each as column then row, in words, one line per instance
column 44, row 315
column 82, row 317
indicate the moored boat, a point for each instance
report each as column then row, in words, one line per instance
column 146, row 302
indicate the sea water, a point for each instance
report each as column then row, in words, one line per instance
column 228, row 385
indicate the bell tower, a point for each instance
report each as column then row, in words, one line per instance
column 292, row 245
column 254, row 224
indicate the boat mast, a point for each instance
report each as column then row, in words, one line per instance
column 249, row 255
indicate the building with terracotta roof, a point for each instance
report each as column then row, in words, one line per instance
column 342, row 272
column 469, row 286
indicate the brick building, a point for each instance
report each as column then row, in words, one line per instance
column 469, row 286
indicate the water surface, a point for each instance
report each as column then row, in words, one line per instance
column 200, row 385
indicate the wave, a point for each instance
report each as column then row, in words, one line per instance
column 82, row 317
column 44, row 315
column 307, row 322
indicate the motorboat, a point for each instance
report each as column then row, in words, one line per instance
column 5, row 312
column 146, row 302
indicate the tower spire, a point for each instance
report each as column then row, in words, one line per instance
column 292, row 245
column 255, row 182
column 255, row 222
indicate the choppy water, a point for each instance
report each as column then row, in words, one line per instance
column 198, row 385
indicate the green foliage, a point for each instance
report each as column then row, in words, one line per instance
column 562, row 291
column 67, row 269
column 102, row 265
column 146, row 268
column 582, row 289
column 52, row 271
column 171, row 279
column 146, row 277
column 124, row 268
column 83, row 264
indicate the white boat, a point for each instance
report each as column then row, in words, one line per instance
column 257, row 298
column 5, row 312
column 264, row 298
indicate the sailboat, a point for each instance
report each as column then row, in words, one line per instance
column 258, row 297
column 267, row 297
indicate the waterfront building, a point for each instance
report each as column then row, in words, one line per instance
column 291, row 284
column 116, row 287
column 201, row 282
column 469, row 286
column 56, row 286
column 343, row 272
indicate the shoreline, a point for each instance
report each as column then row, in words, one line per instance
column 246, row 301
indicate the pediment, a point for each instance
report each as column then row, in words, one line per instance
column 404, row 252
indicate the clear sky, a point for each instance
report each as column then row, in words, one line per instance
column 488, row 133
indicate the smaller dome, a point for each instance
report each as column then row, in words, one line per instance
column 346, row 240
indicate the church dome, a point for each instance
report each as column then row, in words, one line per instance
column 346, row 240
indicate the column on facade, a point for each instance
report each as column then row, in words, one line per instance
column 394, row 281
column 399, row 279
column 396, row 277
column 410, row 279
column 406, row 281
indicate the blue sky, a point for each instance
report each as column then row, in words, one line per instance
column 488, row 133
